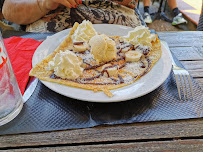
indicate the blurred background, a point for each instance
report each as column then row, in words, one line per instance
column 191, row 10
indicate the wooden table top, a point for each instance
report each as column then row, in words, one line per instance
column 178, row 135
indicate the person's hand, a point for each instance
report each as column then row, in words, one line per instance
column 53, row 4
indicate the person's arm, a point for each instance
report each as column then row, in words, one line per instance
column 27, row 11
column 23, row 11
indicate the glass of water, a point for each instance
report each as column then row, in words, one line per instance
column 11, row 101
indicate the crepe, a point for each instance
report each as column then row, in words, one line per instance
column 95, row 76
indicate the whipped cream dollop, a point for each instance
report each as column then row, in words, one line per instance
column 66, row 65
column 84, row 32
column 140, row 36
column 103, row 48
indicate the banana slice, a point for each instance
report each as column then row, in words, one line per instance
column 80, row 47
column 109, row 70
column 133, row 56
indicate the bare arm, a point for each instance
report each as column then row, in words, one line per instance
column 28, row 11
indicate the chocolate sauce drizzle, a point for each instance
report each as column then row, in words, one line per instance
column 145, row 51
column 120, row 81
column 83, row 52
column 91, row 78
column 142, row 64
column 114, row 80
column 78, row 43
column 148, row 67
column 53, row 76
column 99, row 65
column 94, row 67
column 122, row 66
column 119, row 51
column 86, row 62
column 106, row 69
column 131, row 47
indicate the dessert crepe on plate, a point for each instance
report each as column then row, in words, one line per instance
column 94, row 61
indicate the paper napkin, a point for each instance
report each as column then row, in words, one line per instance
column 20, row 52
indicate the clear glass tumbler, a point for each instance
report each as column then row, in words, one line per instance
column 11, row 101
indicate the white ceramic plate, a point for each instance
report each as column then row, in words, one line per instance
column 146, row 84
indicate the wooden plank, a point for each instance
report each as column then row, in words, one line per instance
column 187, row 53
column 194, row 68
column 199, row 48
column 193, row 65
column 196, row 73
column 184, row 45
column 136, row 131
column 181, row 42
column 181, row 34
column 182, row 39
column 177, row 145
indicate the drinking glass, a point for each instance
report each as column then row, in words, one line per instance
column 11, row 101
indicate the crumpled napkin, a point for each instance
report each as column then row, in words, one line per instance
column 20, row 52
